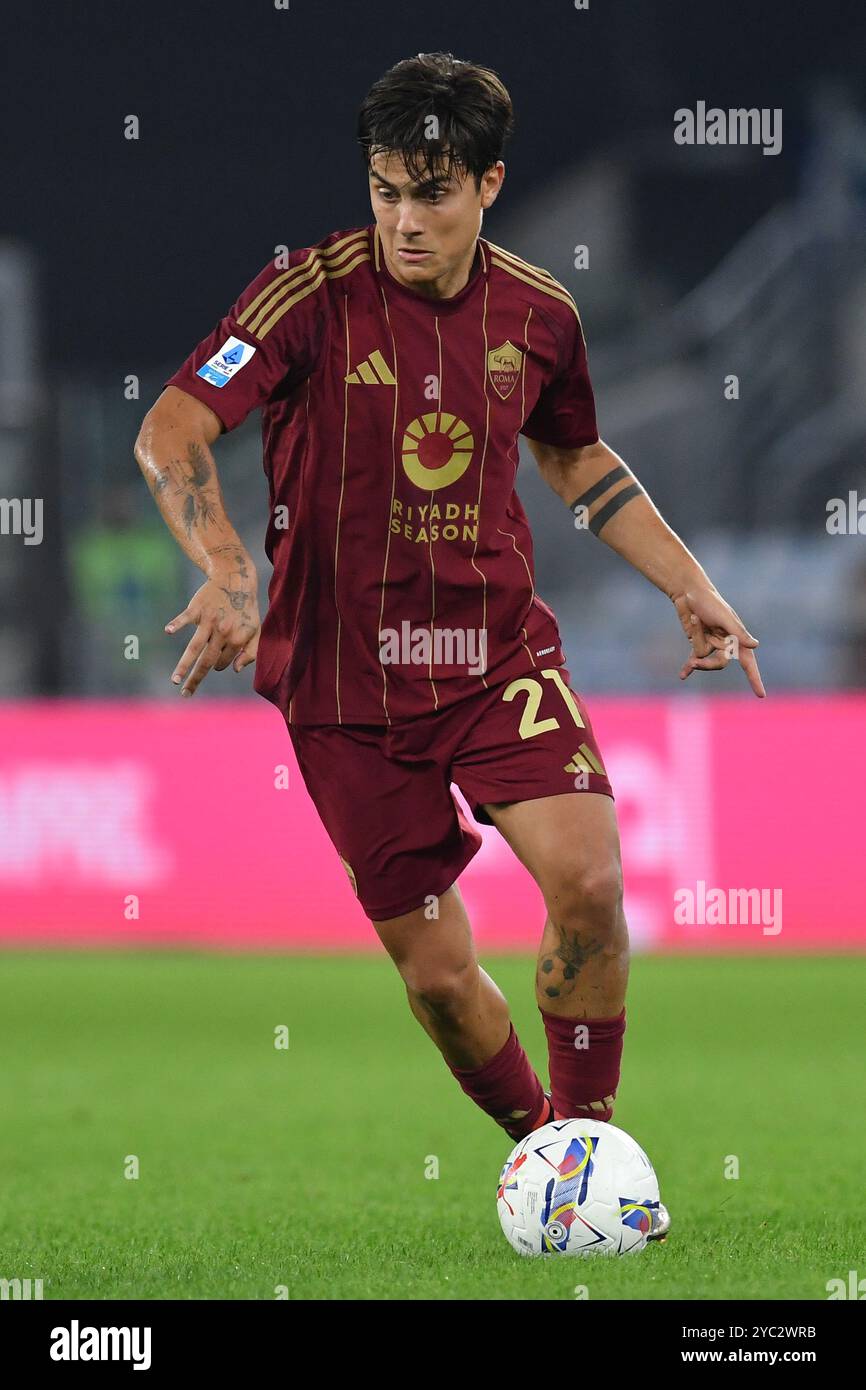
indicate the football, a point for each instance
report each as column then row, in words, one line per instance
column 577, row 1187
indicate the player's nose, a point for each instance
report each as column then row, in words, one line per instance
column 408, row 223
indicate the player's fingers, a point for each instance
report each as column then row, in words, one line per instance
column 697, row 634
column 228, row 645
column 248, row 655
column 235, row 639
column 205, row 663
column 691, row 626
column 739, row 630
column 753, row 676
column 726, row 642
column 685, row 615
column 226, row 656
column 182, row 620
column 717, row 615
column 699, row 637
column 194, row 647
column 717, row 662
column 231, row 650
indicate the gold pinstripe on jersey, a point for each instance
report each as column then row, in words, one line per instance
column 486, row 342
column 393, row 491
column 293, row 285
column 532, row 275
column 520, row 262
column 511, row 537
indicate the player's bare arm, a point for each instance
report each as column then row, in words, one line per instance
column 173, row 450
column 618, row 510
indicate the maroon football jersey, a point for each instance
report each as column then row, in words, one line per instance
column 403, row 569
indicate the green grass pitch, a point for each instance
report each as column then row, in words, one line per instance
column 305, row 1167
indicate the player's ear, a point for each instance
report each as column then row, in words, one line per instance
column 491, row 183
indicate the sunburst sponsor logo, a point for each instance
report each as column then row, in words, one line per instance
column 437, row 450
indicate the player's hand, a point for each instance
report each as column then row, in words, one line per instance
column 716, row 634
column 225, row 612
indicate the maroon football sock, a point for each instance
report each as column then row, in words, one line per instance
column 507, row 1089
column 583, row 1079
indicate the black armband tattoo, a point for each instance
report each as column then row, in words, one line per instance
column 604, row 514
column 593, row 493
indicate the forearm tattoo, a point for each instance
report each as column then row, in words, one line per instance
column 603, row 515
column 199, row 500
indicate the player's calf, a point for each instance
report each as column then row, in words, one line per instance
column 580, row 990
column 501, row 1082
column 465, row 1013
column 462, row 1010
column 582, row 966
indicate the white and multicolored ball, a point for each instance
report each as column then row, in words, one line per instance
column 577, row 1187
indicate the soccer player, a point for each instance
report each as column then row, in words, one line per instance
column 395, row 366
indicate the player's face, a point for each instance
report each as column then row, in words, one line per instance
column 429, row 229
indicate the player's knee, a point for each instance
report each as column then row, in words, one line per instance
column 443, row 991
column 587, row 895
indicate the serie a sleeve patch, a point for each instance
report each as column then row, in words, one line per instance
column 224, row 364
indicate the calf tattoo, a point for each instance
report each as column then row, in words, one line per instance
column 558, row 971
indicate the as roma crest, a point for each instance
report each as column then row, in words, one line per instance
column 503, row 367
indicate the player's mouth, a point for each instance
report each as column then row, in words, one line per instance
column 411, row 256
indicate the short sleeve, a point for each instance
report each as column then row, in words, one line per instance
column 564, row 414
column 268, row 341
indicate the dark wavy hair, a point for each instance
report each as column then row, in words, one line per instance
column 472, row 107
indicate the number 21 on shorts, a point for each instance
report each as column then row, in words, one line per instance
column 530, row 725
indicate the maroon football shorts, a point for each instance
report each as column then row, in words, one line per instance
column 384, row 795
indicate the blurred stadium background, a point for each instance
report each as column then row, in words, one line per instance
column 131, row 819
column 703, row 262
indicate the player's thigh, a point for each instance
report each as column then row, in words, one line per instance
column 570, row 845
column 394, row 823
column 532, row 767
